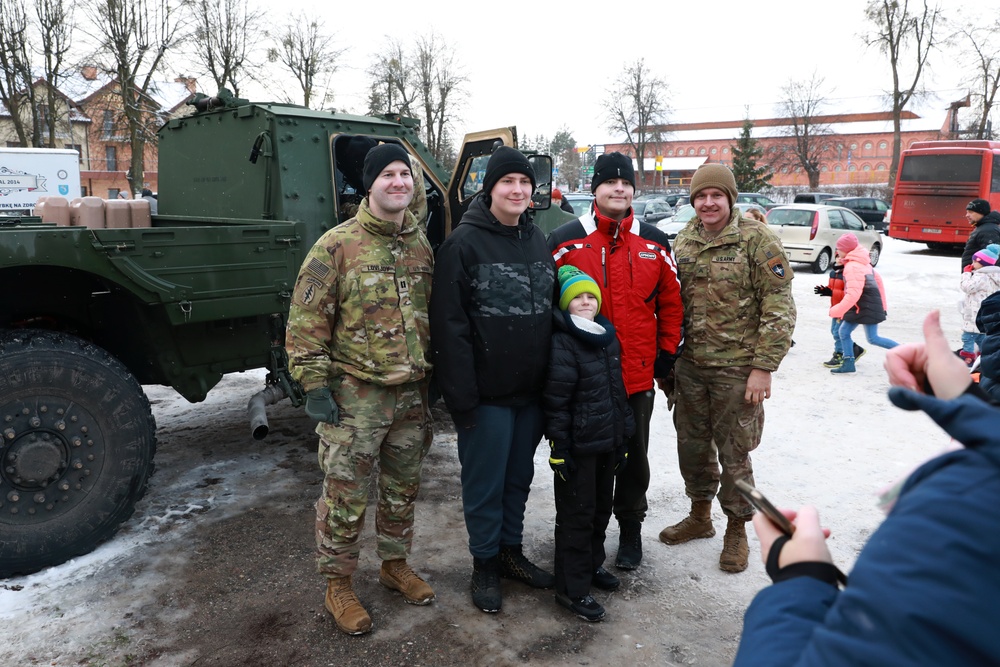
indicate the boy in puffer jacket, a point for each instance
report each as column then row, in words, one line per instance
column 979, row 280
column 587, row 421
column 835, row 290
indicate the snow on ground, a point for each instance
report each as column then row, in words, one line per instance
column 831, row 441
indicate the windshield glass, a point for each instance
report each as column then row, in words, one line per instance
column 941, row 168
column 792, row 217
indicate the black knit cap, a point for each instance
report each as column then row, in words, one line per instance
column 612, row 165
column 379, row 158
column 506, row 160
column 980, row 206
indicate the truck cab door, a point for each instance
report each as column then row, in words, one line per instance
column 467, row 179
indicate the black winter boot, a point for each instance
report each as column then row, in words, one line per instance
column 858, row 351
column 486, row 584
column 514, row 565
column 629, row 544
column 835, row 361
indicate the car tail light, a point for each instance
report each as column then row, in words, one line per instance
column 815, row 227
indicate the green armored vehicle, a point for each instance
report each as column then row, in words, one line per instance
column 96, row 309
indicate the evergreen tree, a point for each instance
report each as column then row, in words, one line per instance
column 746, row 152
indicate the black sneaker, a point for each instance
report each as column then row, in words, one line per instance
column 836, row 360
column 629, row 544
column 486, row 585
column 586, row 607
column 605, row 580
column 858, row 352
column 514, row 565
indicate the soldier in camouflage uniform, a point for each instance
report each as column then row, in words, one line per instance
column 739, row 314
column 358, row 341
column 491, row 326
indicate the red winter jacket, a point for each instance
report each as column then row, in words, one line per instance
column 640, row 291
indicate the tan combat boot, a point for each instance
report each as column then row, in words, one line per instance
column 399, row 576
column 696, row 525
column 347, row 611
column 735, row 550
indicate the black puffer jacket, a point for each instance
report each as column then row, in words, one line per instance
column 988, row 321
column 585, row 402
column 987, row 231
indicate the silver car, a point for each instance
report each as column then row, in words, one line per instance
column 809, row 232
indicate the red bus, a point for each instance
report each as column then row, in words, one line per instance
column 935, row 181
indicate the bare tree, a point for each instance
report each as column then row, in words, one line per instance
column 983, row 58
column 17, row 91
column 902, row 32
column 134, row 36
column 810, row 136
column 224, row 32
column 307, row 51
column 423, row 81
column 637, row 106
column 55, row 24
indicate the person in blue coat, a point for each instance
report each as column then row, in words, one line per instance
column 924, row 589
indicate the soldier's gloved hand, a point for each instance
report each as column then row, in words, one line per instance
column 823, row 290
column 321, row 406
column 621, row 457
column 664, row 363
column 560, row 461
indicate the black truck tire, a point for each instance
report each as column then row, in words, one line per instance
column 78, row 439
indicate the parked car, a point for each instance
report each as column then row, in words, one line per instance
column 755, row 198
column 672, row 226
column 580, row 201
column 812, row 197
column 746, row 206
column 651, row 210
column 869, row 209
column 809, row 232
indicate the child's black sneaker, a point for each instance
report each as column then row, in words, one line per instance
column 585, row 607
column 835, row 361
column 858, row 352
column 605, row 580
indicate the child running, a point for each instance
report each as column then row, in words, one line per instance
column 979, row 280
column 863, row 303
column 587, row 419
column 835, row 290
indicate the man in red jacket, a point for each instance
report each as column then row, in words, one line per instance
column 640, row 294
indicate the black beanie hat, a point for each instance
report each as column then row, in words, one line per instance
column 980, row 206
column 506, row 160
column 612, row 165
column 379, row 158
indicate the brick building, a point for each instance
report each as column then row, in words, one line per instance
column 91, row 121
column 856, row 146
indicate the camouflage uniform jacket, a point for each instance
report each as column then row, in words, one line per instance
column 360, row 305
column 737, row 295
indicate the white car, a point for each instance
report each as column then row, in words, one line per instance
column 809, row 232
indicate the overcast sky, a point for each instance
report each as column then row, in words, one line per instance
column 543, row 65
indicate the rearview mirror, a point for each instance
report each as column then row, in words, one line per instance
column 542, row 166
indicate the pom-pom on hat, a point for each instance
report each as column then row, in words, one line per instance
column 381, row 157
column 506, row 160
column 847, row 243
column 714, row 176
column 612, row 165
column 980, row 206
column 556, row 193
column 572, row 283
column 988, row 255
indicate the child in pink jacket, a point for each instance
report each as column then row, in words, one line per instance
column 863, row 303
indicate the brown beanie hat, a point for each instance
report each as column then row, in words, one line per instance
column 714, row 176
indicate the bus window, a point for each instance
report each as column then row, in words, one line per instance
column 995, row 181
column 942, row 168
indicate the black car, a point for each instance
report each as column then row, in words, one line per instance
column 813, row 197
column 869, row 209
column 651, row 210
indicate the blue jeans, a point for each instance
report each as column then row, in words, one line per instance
column 871, row 333
column 971, row 340
column 497, row 457
column 835, row 332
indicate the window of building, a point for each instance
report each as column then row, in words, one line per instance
column 854, row 147
column 702, row 151
column 113, row 193
column 725, row 151
column 78, row 148
column 824, row 168
column 110, row 159
column 108, row 126
column 13, row 144
column 690, row 151
column 837, row 168
column 882, row 145
column 880, row 167
column 852, row 167
column 83, row 191
column 714, row 151
column 866, row 167
column 868, row 145
column 784, row 170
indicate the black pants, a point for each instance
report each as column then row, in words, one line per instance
column 583, row 509
column 632, row 482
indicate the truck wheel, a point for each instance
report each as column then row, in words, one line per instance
column 78, row 439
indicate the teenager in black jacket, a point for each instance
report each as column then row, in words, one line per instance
column 587, row 420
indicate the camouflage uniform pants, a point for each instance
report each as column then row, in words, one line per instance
column 388, row 425
column 715, row 425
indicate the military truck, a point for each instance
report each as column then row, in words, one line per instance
column 94, row 311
